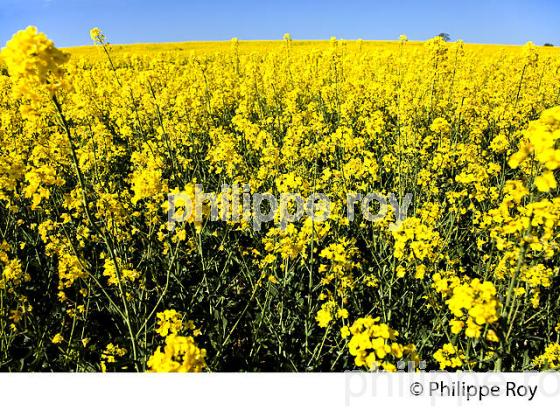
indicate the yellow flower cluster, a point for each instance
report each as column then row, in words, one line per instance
column 416, row 245
column 180, row 354
column 69, row 269
column 124, row 273
column 328, row 312
column 415, row 241
column 539, row 146
column 475, row 305
column 449, row 357
column 342, row 260
column 97, row 35
column 293, row 242
column 169, row 322
column 110, row 355
column 13, row 273
column 57, row 339
column 33, row 61
column 550, row 359
column 38, row 180
column 374, row 345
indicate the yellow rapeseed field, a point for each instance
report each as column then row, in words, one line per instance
column 454, row 147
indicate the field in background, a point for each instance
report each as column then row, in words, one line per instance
column 250, row 46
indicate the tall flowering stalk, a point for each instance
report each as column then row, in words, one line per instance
column 37, row 68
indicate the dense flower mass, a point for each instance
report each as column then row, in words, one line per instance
column 459, row 270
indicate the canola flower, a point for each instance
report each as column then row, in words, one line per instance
column 539, row 146
column 474, row 303
column 110, row 355
column 94, row 139
column 374, row 343
column 180, row 354
column 550, row 359
column 169, row 322
column 449, row 357
column 34, row 62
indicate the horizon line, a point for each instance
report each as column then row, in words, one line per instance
column 306, row 40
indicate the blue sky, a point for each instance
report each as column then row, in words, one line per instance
column 68, row 22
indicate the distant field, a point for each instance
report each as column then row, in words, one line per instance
column 263, row 45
